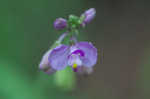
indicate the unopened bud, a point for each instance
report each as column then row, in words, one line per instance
column 60, row 23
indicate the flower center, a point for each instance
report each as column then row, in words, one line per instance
column 74, row 59
column 74, row 67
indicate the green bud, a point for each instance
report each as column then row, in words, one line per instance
column 73, row 21
column 65, row 79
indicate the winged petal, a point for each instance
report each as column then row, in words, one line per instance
column 90, row 53
column 44, row 64
column 58, row 58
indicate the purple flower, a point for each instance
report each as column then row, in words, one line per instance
column 44, row 64
column 60, row 23
column 78, row 55
column 89, row 15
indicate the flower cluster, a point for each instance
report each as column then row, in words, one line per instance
column 81, row 56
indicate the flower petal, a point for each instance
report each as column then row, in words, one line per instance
column 44, row 64
column 74, row 59
column 59, row 57
column 90, row 53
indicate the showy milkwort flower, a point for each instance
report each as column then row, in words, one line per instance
column 76, row 56
column 80, row 56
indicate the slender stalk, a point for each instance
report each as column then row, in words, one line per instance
column 61, row 38
column 73, row 38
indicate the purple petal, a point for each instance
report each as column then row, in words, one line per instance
column 90, row 53
column 80, row 52
column 59, row 57
column 44, row 64
column 74, row 59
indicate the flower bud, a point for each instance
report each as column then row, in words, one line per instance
column 89, row 15
column 73, row 21
column 65, row 79
column 60, row 23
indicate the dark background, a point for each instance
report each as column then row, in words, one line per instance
column 121, row 27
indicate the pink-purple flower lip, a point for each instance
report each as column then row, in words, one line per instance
column 79, row 52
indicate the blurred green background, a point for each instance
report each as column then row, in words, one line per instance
column 121, row 27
